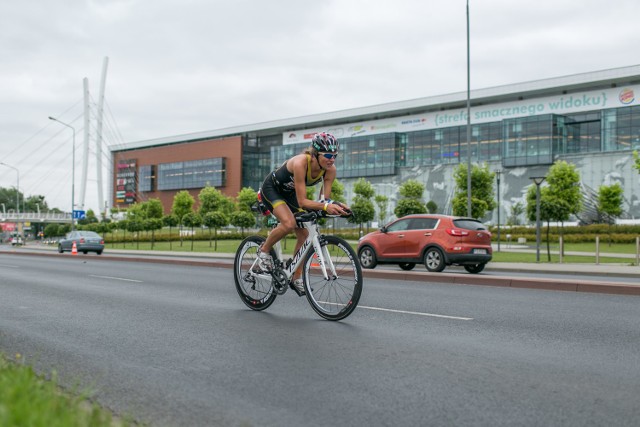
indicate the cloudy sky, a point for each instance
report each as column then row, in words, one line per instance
column 178, row 67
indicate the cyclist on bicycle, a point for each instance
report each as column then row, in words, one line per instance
column 284, row 193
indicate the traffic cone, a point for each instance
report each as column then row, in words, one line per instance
column 74, row 249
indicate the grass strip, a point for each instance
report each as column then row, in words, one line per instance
column 28, row 399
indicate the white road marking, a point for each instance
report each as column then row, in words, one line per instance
column 415, row 313
column 9, row 266
column 116, row 278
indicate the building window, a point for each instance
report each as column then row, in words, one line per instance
column 527, row 141
column 147, row 178
column 192, row 174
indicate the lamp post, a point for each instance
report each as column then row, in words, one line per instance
column 498, row 173
column 468, row 120
column 73, row 168
column 538, row 180
column 17, row 187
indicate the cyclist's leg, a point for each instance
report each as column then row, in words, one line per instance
column 301, row 236
column 281, row 209
column 287, row 224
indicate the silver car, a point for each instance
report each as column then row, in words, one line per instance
column 86, row 241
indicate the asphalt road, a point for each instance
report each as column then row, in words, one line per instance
column 173, row 345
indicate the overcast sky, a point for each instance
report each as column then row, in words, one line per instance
column 178, row 67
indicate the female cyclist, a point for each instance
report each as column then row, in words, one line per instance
column 284, row 193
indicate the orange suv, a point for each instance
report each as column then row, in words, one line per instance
column 435, row 240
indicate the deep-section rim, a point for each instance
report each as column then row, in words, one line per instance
column 255, row 298
column 325, row 297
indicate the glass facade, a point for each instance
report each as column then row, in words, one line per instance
column 192, row 174
column 524, row 141
column 146, row 178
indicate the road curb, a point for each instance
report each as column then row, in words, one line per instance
column 569, row 285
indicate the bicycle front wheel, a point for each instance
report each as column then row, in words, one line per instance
column 256, row 291
column 336, row 298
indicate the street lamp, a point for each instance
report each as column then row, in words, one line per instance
column 498, row 173
column 73, row 168
column 468, row 120
column 17, row 186
column 538, row 180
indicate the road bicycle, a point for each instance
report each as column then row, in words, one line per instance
column 331, row 272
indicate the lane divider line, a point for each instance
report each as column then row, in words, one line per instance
column 442, row 316
column 9, row 266
column 116, row 278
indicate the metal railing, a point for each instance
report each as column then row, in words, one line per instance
column 34, row 217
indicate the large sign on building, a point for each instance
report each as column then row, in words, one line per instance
column 560, row 104
column 126, row 182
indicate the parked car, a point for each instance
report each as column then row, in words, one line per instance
column 16, row 241
column 86, row 241
column 435, row 240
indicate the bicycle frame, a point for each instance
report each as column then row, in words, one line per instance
column 312, row 241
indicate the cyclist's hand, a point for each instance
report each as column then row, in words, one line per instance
column 339, row 209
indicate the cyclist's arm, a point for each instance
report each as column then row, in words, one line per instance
column 299, row 169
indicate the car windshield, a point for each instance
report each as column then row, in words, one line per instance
column 469, row 224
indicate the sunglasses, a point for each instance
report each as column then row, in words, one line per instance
column 329, row 156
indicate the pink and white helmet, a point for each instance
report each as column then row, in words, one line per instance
column 325, row 142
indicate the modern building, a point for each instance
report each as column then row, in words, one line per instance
column 591, row 120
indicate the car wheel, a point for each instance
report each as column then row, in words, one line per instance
column 85, row 252
column 60, row 250
column 407, row 265
column 367, row 257
column 99, row 252
column 434, row 260
column 474, row 268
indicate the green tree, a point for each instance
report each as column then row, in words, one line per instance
column 610, row 199
column 170, row 221
column 52, row 230
column 636, row 161
column 482, row 197
column 152, row 211
column 35, row 204
column 135, row 226
column 432, row 207
column 192, row 219
column 551, row 208
column 517, row 209
column 564, row 184
column 8, row 198
column 154, row 208
column 211, row 200
column 383, row 205
column 242, row 219
column 152, row 224
column 182, row 205
column 337, row 191
column 246, row 198
column 362, row 206
column 215, row 220
column 411, row 199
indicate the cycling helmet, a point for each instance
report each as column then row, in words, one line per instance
column 325, row 143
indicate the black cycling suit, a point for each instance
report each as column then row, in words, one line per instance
column 279, row 187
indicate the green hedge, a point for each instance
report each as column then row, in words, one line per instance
column 163, row 236
column 580, row 234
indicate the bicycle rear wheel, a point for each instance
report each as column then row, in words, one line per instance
column 336, row 298
column 255, row 292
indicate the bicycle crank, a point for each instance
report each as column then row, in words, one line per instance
column 279, row 282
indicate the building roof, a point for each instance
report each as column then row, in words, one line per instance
column 511, row 92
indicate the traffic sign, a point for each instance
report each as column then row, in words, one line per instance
column 79, row 214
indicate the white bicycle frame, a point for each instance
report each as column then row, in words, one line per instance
column 312, row 240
